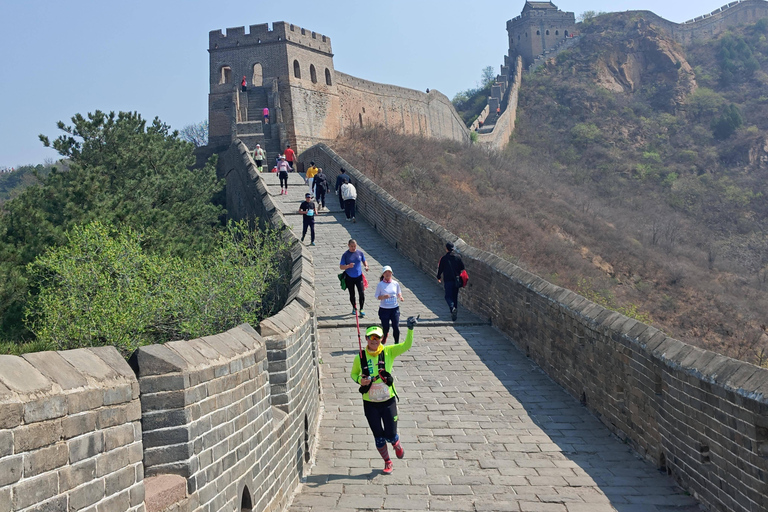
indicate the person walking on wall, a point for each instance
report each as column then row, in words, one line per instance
column 352, row 263
column 282, row 173
column 265, row 112
column 244, row 85
column 311, row 172
column 388, row 292
column 321, row 187
column 259, row 156
column 339, row 182
column 349, row 194
column 449, row 269
column 308, row 210
column 372, row 371
column 290, row 156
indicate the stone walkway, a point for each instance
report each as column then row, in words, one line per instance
column 483, row 427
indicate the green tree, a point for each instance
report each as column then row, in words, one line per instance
column 196, row 133
column 487, row 77
column 122, row 170
column 728, row 122
column 103, row 288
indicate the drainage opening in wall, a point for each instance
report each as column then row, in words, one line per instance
column 704, row 453
column 306, row 438
column 663, row 463
column 583, row 398
column 245, row 503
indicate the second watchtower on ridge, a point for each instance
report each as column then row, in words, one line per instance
column 540, row 27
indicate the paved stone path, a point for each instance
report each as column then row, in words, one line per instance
column 483, row 427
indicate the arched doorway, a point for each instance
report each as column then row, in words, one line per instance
column 245, row 502
column 312, row 73
column 296, row 69
column 258, row 78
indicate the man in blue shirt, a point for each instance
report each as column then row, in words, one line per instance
column 352, row 263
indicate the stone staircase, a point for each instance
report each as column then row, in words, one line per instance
column 253, row 131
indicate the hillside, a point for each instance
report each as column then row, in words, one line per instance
column 637, row 177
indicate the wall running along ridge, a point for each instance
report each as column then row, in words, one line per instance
column 505, row 125
column 701, row 416
column 70, row 436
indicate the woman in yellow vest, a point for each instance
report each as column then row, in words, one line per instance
column 378, row 389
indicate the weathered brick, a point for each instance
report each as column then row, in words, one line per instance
column 86, row 446
column 45, row 408
column 11, row 470
column 118, row 503
column 34, row 490
column 78, row 424
column 120, row 480
column 84, row 400
column 86, row 495
column 110, row 462
column 45, row 459
column 36, row 435
column 76, row 474
column 120, row 435
column 11, row 414
column 5, row 499
column 118, row 394
column 6, row 443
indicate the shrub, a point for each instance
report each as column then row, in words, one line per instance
column 102, row 288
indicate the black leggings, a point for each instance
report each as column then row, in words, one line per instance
column 390, row 315
column 382, row 418
column 352, row 283
column 283, row 179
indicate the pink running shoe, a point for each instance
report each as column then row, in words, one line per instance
column 399, row 450
column 388, row 467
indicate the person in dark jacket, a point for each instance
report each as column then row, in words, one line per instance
column 339, row 182
column 448, row 271
column 321, row 187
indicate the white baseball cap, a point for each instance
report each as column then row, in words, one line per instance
column 386, row 267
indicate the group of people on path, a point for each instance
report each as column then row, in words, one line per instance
column 372, row 368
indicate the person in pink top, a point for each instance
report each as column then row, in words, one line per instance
column 266, row 115
column 244, row 85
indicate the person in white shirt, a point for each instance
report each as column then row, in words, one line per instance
column 389, row 293
column 349, row 194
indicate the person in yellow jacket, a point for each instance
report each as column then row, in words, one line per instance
column 378, row 389
column 311, row 172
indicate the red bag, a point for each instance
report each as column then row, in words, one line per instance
column 274, row 169
column 365, row 282
column 464, row 278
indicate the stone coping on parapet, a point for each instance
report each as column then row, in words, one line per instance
column 281, row 32
column 45, row 385
column 742, row 378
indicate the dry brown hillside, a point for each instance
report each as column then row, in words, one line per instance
column 639, row 258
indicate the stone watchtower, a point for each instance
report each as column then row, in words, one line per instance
column 540, row 27
column 280, row 65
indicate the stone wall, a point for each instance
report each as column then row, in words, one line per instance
column 698, row 415
column 236, row 413
column 366, row 103
column 70, row 436
column 505, row 125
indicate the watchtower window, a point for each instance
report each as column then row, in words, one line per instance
column 566, row 33
column 557, row 32
column 257, row 80
column 328, row 77
column 296, row 69
column 226, row 75
column 547, row 32
column 312, row 73
column 538, row 33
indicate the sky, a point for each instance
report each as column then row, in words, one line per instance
column 60, row 58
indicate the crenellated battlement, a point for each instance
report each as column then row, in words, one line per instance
column 262, row 34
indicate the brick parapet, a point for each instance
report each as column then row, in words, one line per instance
column 505, row 125
column 701, row 416
column 70, row 435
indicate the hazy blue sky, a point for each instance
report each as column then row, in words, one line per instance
column 63, row 57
